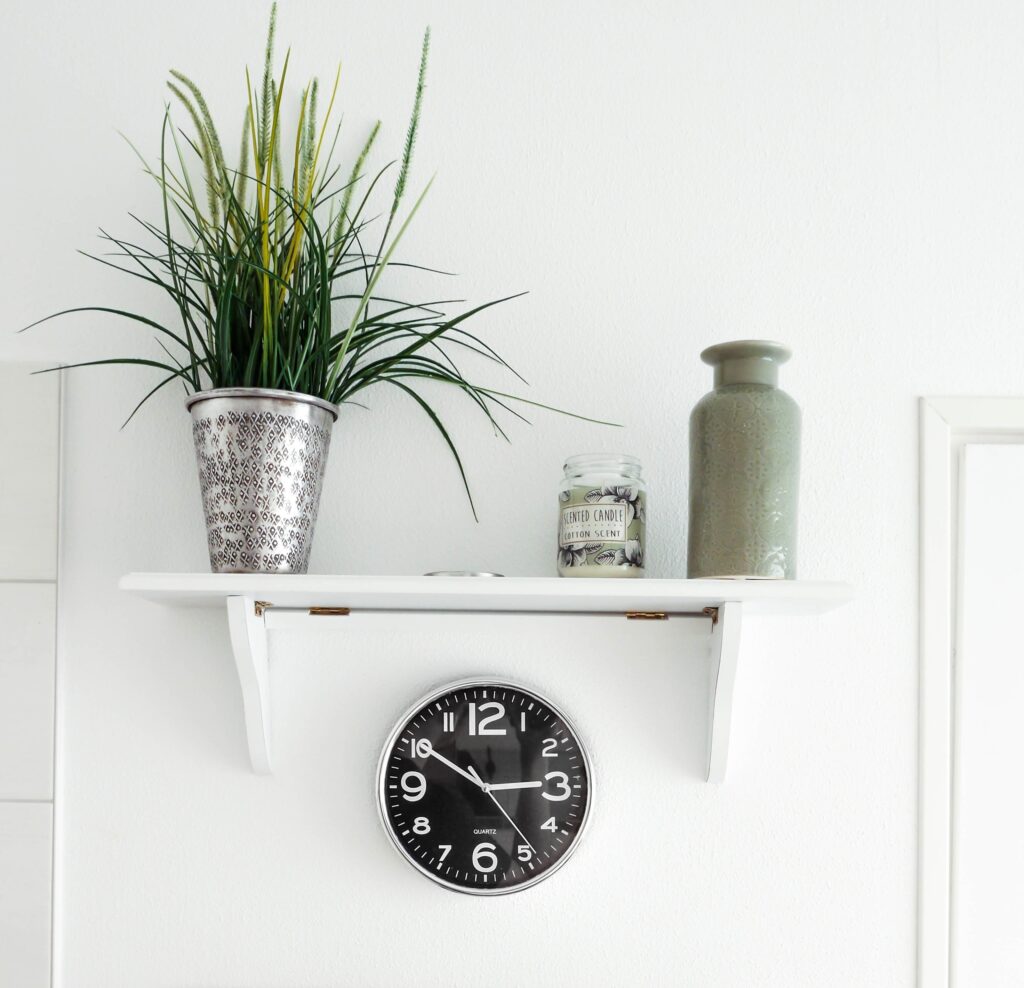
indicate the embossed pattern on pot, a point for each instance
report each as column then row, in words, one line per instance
column 261, row 459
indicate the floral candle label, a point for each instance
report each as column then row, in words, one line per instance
column 593, row 522
column 601, row 527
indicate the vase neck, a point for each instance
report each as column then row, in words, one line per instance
column 746, row 362
column 746, row 370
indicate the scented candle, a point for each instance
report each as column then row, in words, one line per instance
column 602, row 515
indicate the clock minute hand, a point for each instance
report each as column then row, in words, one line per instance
column 514, row 785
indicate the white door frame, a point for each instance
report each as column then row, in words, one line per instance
column 947, row 425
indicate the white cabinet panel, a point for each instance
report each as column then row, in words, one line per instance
column 988, row 804
column 29, row 418
column 27, row 616
column 25, row 891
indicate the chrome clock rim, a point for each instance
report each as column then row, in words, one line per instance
column 475, row 683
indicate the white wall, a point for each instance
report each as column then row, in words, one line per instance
column 660, row 176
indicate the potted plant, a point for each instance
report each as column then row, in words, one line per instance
column 274, row 267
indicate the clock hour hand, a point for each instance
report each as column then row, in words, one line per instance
column 487, row 789
column 428, row 749
column 513, row 785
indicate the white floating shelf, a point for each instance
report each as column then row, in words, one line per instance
column 256, row 603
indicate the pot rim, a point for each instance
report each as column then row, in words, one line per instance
column 274, row 393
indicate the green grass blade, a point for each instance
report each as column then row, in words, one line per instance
column 432, row 415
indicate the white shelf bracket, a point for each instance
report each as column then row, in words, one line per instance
column 249, row 644
column 725, row 650
column 296, row 598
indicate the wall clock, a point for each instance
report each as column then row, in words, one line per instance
column 484, row 787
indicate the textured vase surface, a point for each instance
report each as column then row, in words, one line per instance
column 261, row 455
column 744, row 467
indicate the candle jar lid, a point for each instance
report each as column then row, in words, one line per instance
column 460, row 572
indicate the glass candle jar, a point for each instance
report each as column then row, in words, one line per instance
column 602, row 514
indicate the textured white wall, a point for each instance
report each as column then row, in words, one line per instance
column 661, row 176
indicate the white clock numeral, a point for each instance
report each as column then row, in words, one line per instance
column 524, row 851
column 522, row 721
column 414, row 785
column 445, row 850
column 421, row 826
column 550, row 749
column 562, row 781
column 420, row 748
column 484, row 858
column 549, row 824
column 482, row 728
column 448, row 721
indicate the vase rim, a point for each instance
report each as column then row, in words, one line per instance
column 272, row 393
column 778, row 353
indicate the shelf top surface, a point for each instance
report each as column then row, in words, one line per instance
column 453, row 593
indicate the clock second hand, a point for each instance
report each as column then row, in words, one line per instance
column 487, row 789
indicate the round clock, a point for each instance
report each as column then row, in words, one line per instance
column 484, row 787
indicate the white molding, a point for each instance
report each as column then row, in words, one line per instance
column 999, row 416
column 27, row 804
column 935, row 697
column 947, row 424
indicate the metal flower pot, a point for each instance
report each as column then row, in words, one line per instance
column 261, row 455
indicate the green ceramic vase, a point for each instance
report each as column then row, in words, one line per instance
column 744, row 467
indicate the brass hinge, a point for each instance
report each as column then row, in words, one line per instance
column 259, row 606
column 329, row 612
column 711, row 612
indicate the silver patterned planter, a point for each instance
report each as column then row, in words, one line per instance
column 261, row 457
column 744, row 467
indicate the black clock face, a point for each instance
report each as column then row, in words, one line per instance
column 484, row 787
